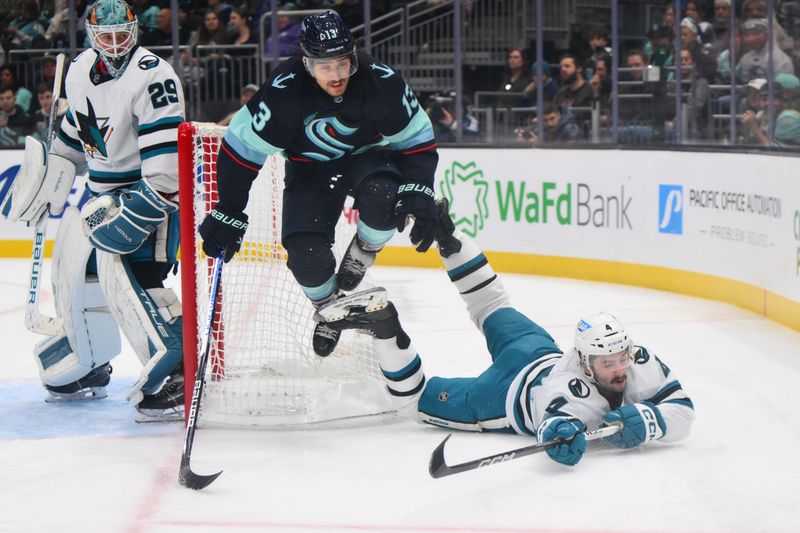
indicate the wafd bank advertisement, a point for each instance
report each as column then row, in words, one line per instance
column 729, row 215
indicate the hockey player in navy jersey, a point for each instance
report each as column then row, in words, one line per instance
column 532, row 387
column 110, row 259
column 347, row 124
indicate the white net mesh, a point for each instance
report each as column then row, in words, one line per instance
column 262, row 369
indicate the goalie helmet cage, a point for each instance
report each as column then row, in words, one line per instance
column 262, row 369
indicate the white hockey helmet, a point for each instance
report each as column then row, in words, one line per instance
column 600, row 334
column 112, row 29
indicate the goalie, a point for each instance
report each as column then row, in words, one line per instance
column 111, row 258
column 531, row 387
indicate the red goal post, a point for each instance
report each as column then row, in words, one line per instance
column 262, row 370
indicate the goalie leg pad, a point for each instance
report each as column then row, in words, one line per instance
column 150, row 319
column 91, row 337
column 43, row 180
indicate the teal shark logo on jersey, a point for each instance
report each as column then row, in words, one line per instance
column 470, row 217
column 322, row 132
column 93, row 131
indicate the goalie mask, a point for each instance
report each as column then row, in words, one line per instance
column 112, row 29
column 329, row 52
column 601, row 335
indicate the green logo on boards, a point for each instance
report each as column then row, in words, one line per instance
column 469, row 214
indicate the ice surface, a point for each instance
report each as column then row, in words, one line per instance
column 88, row 467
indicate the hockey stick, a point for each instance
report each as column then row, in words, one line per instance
column 34, row 320
column 186, row 477
column 439, row 468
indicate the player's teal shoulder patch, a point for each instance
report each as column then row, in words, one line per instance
column 383, row 69
column 279, row 80
column 148, row 62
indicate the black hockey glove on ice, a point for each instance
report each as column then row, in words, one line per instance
column 417, row 199
column 223, row 229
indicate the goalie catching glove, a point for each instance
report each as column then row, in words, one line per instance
column 119, row 223
column 416, row 199
column 642, row 422
column 223, row 230
column 569, row 430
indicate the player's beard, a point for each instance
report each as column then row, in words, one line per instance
column 336, row 88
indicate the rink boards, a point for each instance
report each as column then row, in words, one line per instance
column 724, row 226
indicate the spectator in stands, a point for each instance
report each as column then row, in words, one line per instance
column 212, row 31
column 41, row 118
column 25, row 31
column 660, row 46
column 549, row 86
column 18, row 122
column 757, row 9
column 574, row 91
column 288, row 34
column 601, row 83
column 559, row 126
column 754, row 62
column 56, row 34
column 722, row 19
column 697, row 96
column 787, row 125
column 690, row 33
column 48, row 72
column 754, row 117
column 643, row 104
column 598, row 45
column 441, row 111
column 22, row 95
column 146, row 13
column 517, row 75
column 241, row 27
column 247, row 93
column 222, row 9
column 161, row 35
column 705, row 31
column 668, row 18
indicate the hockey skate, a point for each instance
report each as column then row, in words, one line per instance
column 445, row 228
column 369, row 311
column 167, row 404
column 92, row 386
column 355, row 263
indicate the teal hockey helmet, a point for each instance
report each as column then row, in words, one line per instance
column 112, row 29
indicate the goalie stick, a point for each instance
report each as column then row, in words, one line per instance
column 186, row 477
column 34, row 320
column 439, row 468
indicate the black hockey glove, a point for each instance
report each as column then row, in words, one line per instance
column 223, row 230
column 416, row 199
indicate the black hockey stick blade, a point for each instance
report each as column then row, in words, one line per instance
column 438, row 467
column 190, row 480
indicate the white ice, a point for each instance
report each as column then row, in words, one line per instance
column 89, row 467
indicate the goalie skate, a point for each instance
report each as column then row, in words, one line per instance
column 365, row 301
column 90, row 387
column 167, row 404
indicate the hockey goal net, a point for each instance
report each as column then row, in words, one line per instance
column 262, row 370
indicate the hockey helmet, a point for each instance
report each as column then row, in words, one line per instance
column 112, row 29
column 597, row 335
column 327, row 46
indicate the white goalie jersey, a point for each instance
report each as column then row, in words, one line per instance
column 123, row 128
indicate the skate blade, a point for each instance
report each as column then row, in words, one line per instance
column 92, row 393
column 371, row 300
column 148, row 416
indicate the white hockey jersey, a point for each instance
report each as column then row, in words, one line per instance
column 126, row 128
column 553, row 385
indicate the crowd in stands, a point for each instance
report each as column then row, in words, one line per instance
column 576, row 82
